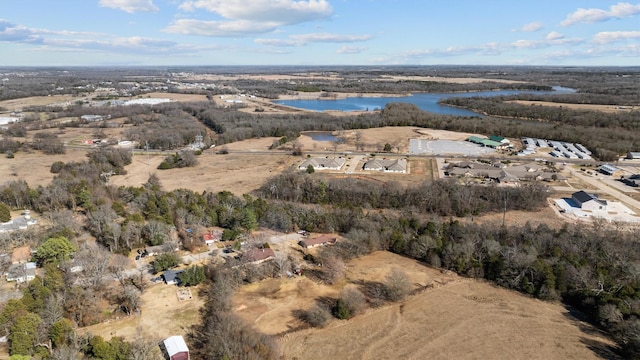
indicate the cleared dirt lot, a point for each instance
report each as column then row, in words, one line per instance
column 455, row 318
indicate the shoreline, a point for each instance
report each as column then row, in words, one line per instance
column 336, row 96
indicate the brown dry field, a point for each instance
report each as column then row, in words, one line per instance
column 453, row 318
column 241, row 173
column 162, row 316
column 34, row 168
column 18, row 104
column 603, row 108
column 238, row 173
column 449, row 79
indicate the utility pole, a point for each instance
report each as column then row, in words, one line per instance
column 147, row 146
column 504, row 213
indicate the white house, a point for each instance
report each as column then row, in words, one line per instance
column 22, row 272
column 586, row 201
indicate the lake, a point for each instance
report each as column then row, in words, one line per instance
column 425, row 101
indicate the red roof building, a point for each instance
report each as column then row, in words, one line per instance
column 318, row 241
column 258, row 255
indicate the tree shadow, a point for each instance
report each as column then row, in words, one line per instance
column 601, row 349
column 315, row 275
column 583, row 322
column 326, row 302
column 374, row 291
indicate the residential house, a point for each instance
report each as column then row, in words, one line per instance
column 386, row 165
column 318, row 241
column 176, row 348
column 161, row 249
column 18, row 223
column 587, row 201
column 22, row 272
column 258, row 256
column 92, row 118
column 208, row 239
column 170, row 277
column 323, row 163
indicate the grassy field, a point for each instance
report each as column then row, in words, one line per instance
column 162, row 315
column 453, row 318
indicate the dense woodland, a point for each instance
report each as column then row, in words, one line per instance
column 593, row 269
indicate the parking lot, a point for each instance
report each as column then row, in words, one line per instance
column 447, row 147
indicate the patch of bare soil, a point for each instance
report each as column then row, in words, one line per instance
column 593, row 107
column 453, row 318
column 162, row 315
column 546, row 216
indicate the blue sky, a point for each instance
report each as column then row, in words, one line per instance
column 318, row 32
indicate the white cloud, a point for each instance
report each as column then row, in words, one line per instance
column 250, row 17
column 304, row 39
column 219, row 28
column 54, row 40
column 347, row 49
column 593, row 15
column 531, row 27
column 10, row 32
column 281, row 11
column 553, row 39
column 607, row 37
column 130, row 6
column 554, row 36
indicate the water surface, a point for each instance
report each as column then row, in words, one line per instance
column 424, row 101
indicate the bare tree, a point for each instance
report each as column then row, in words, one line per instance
column 397, row 285
column 144, row 347
column 333, row 269
column 317, row 316
column 66, row 353
column 53, row 309
column 94, row 261
column 129, row 298
column 283, row 263
column 353, row 299
column 118, row 266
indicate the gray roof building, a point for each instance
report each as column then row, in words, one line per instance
column 386, row 165
column 320, row 163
